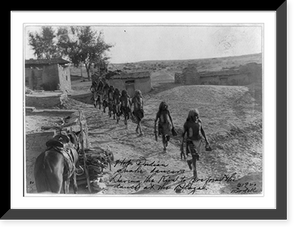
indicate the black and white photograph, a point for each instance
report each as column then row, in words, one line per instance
column 148, row 115
column 143, row 109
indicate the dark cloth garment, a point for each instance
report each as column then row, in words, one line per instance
column 138, row 110
column 139, row 114
column 125, row 101
column 164, row 123
column 117, row 109
column 125, row 111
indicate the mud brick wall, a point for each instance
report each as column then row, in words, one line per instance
column 64, row 78
column 42, row 102
column 142, row 84
column 179, row 78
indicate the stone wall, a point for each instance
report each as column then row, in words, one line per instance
column 142, row 84
column 238, row 79
column 50, row 77
column 179, row 78
column 64, row 78
column 37, row 141
column 42, row 102
column 33, row 78
column 191, row 75
column 242, row 75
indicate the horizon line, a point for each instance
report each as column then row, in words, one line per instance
column 188, row 59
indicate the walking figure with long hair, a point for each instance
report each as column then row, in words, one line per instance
column 191, row 129
column 138, row 110
column 165, row 124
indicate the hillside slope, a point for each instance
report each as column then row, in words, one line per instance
column 220, row 107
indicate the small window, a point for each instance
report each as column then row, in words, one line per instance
column 67, row 77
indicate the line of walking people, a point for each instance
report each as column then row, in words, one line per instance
column 120, row 103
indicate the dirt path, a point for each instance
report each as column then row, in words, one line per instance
column 136, row 155
column 142, row 167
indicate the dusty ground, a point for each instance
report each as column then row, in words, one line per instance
column 232, row 120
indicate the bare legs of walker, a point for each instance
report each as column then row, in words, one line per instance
column 126, row 117
column 192, row 161
column 192, row 166
column 138, row 129
column 165, row 141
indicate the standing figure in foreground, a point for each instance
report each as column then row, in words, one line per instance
column 192, row 128
column 165, row 124
column 138, row 110
column 125, row 106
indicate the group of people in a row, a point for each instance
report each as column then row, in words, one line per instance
column 119, row 103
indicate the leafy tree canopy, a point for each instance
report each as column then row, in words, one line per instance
column 79, row 44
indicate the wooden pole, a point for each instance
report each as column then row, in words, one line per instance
column 83, row 152
column 86, row 135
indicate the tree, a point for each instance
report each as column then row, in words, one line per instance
column 83, row 46
column 43, row 43
column 80, row 45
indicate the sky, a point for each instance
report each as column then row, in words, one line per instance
column 133, row 43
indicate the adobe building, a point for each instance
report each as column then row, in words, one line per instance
column 47, row 74
column 131, row 82
column 242, row 75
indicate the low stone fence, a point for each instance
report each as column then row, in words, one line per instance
column 42, row 101
column 37, row 141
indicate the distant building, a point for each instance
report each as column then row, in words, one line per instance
column 131, row 82
column 242, row 75
column 47, row 74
